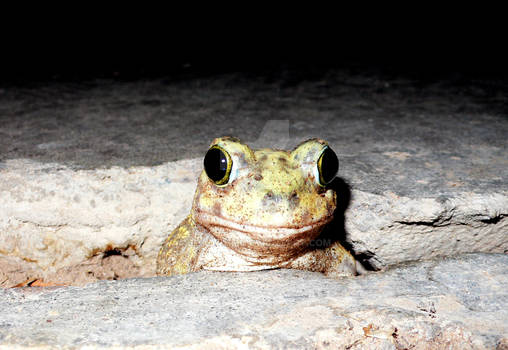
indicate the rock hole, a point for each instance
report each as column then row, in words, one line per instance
column 110, row 252
column 364, row 258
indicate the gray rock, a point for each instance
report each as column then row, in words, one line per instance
column 105, row 168
column 453, row 303
column 388, row 229
column 392, row 134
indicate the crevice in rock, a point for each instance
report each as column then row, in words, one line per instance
column 439, row 222
column 417, row 223
column 493, row 220
column 365, row 258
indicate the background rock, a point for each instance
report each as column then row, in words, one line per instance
column 455, row 303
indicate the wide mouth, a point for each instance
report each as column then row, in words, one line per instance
column 267, row 234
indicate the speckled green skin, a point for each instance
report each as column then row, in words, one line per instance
column 267, row 216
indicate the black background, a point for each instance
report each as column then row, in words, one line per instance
column 76, row 44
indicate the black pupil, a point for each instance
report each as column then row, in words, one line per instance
column 329, row 165
column 216, row 164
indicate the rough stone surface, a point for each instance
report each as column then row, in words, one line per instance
column 455, row 303
column 94, row 175
column 61, row 224
column 387, row 229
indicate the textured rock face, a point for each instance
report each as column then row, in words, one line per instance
column 60, row 224
column 94, row 176
column 456, row 303
column 387, row 229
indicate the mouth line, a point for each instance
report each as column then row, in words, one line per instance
column 274, row 231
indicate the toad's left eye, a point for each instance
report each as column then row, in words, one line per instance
column 328, row 165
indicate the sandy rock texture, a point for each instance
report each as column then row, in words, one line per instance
column 77, row 226
column 452, row 303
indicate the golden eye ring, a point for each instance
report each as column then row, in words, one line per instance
column 327, row 165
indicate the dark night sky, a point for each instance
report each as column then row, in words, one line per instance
column 69, row 48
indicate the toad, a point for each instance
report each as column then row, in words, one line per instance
column 259, row 209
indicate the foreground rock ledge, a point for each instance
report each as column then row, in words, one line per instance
column 455, row 303
column 77, row 226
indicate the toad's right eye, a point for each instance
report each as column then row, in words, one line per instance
column 218, row 165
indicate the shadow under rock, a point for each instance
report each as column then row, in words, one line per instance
column 335, row 231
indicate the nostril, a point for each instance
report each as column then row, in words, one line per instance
column 269, row 194
column 258, row 177
column 294, row 199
